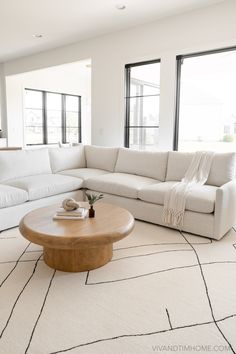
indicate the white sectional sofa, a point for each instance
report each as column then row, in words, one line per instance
column 135, row 180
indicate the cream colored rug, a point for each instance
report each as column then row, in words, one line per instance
column 164, row 291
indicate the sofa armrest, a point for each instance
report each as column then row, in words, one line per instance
column 225, row 209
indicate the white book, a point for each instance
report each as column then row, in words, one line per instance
column 68, row 217
column 77, row 212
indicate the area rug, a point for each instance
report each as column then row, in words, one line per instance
column 164, row 291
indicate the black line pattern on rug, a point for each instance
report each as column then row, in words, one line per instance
column 158, row 271
column 16, row 263
column 162, row 244
column 207, row 294
column 21, row 261
column 168, row 316
column 150, row 254
column 7, row 238
column 41, row 311
column 140, row 334
column 86, row 280
column 9, row 228
column 18, row 296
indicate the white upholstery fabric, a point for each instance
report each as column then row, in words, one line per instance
column 22, row 163
column 67, row 158
column 201, row 199
column 84, row 173
column 142, row 163
column 103, row 158
column 177, row 165
column 46, row 185
column 126, row 185
column 225, row 209
column 10, row 196
column 222, row 169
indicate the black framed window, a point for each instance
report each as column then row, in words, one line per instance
column 52, row 117
column 205, row 103
column 142, row 105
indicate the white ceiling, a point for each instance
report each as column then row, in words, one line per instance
column 67, row 21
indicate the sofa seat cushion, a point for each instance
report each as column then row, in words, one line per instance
column 46, row 185
column 122, row 184
column 201, row 199
column 10, row 196
column 84, row 173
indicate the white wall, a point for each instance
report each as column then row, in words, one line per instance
column 3, row 114
column 208, row 28
column 74, row 78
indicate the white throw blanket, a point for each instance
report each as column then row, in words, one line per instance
column 175, row 199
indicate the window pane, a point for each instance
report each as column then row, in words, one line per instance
column 72, row 119
column 34, row 135
column 54, row 101
column 207, row 117
column 33, row 117
column 33, row 99
column 145, row 80
column 54, row 118
column 72, row 135
column 144, row 110
column 54, row 135
column 144, row 138
column 72, row 103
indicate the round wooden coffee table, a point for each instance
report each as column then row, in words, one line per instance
column 77, row 245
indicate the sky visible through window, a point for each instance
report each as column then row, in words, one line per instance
column 207, row 117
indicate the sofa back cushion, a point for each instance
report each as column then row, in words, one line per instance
column 101, row 157
column 67, row 158
column 142, row 163
column 222, row 169
column 23, row 163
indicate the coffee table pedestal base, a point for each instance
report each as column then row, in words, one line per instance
column 78, row 260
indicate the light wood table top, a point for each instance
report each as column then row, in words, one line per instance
column 89, row 237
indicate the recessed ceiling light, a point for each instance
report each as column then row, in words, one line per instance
column 37, row 35
column 120, row 7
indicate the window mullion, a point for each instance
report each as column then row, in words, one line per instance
column 63, row 117
column 127, row 108
column 177, row 103
column 45, row 127
column 79, row 120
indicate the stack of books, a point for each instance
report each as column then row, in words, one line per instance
column 78, row 214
